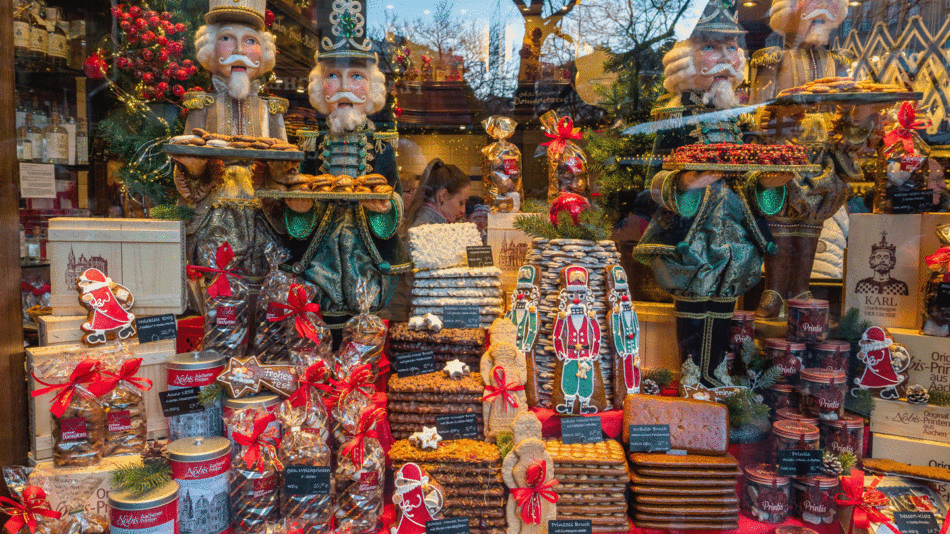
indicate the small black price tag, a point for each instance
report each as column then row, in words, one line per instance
column 799, row 463
column 914, row 201
column 457, row 426
column 479, row 256
column 156, row 328
column 570, row 526
column 916, row 522
column 414, row 363
column 307, row 480
column 180, row 401
column 460, row 317
column 649, row 438
column 452, row 525
column 581, row 430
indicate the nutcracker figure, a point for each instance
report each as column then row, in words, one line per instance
column 625, row 333
column 523, row 311
column 577, row 345
column 108, row 305
column 417, row 498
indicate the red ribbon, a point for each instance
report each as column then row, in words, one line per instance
column 564, row 131
column 365, row 428
column 298, row 305
column 264, row 438
column 359, row 380
column 314, row 377
column 906, row 124
column 34, row 504
column 220, row 285
column 939, row 261
column 505, row 389
column 529, row 498
column 127, row 373
column 87, row 371
column 27, row 287
column 864, row 500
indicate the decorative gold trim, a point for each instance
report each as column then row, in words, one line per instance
column 277, row 105
column 767, row 56
column 197, row 100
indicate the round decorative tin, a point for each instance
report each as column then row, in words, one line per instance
column 831, row 354
column 823, row 392
column 152, row 512
column 807, row 320
column 766, row 496
column 846, row 434
column 195, row 369
column 201, row 466
column 788, row 356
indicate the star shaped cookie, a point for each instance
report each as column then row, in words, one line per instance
column 429, row 438
column 456, row 369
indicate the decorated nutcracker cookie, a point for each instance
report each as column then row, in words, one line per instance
column 523, row 312
column 418, row 500
column 108, row 304
column 885, row 364
column 528, row 471
column 504, row 373
column 247, row 375
column 625, row 333
column 578, row 384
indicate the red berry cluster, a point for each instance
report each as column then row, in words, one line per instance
column 733, row 154
column 151, row 52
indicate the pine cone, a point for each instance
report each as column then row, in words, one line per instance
column 649, row 387
column 832, row 464
column 917, row 394
column 154, row 453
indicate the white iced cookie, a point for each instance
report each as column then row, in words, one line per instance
column 432, row 322
column 417, row 323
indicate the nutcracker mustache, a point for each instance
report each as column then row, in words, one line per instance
column 350, row 97
column 239, row 58
column 719, row 67
column 818, row 13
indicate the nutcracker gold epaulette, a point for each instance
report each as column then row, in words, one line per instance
column 277, row 105
column 197, row 100
column 844, row 56
column 767, row 56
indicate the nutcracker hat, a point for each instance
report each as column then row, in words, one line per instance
column 883, row 245
column 410, row 477
column 876, row 338
column 250, row 12
column 618, row 276
column 342, row 32
column 575, row 277
column 720, row 17
column 92, row 279
column 526, row 276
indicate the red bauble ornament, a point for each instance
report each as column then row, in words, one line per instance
column 398, row 111
column 196, row 89
column 178, row 91
column 147, row 54
column 140, row 23
column 268, row 17
column 148, row 37
column 166, row 15
column 123, row 63
column 570, row 202
column 180, row 27
column 154, row 22
column 181, row 74
column 162, row 55
column 174, row 47
column 95, row 67
column 125, row 25
column 187, row 63
column 135, row 11
column 161, row 40
column 150, row 14
column 148, row 77
column 169, row 28
column 192, row 70
column 161, row 88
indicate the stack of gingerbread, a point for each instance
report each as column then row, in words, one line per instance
column 592, row 478
column 416, row 401
column 465, row 344
column 695, row 490
column 469, row 472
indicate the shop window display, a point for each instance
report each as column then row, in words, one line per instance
column 632, row 340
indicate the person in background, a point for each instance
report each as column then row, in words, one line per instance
column 476, row 211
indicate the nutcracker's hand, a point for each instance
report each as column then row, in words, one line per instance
column 696, row 180
column 283, row 171
column 775, row 179
column 379, row 206
column 194, row 167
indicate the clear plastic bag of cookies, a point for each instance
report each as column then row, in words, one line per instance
column 906, row 178
column 268, row 340
column 255, row 471
column 501, row 166
column 567, row 163
column 121, row 393
column 360, row 476
column 25, row 494
column 351, row 394
column 365, row 334
column 227, row 315
column 936, row 296
column 79, row 420
column 47, row 488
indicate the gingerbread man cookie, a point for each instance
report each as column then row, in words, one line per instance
column 528, row 471
column 504, row 373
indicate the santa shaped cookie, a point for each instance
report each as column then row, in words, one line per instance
column 108, row 304
column 884, row 363
column 418, row 499
column 504, row 372
column 578, row 383
column 625, row 334
column 528, row 471
column 523, row 313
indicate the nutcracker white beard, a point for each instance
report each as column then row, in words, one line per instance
column 345, row 119
column 239, row 85
column 721, row 95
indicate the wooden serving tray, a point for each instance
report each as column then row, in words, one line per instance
column 320, row 195
column 232, row 153
column 851, row 97
column 732, row 167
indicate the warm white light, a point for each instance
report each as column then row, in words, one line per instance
column 426, row 12
column 854, row 3
column 390, row 6
column 750, row 3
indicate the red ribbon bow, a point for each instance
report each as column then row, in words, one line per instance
column 87, row 371
column 906, row 124
column 864, row 500
column 298, row 305
column 127, row 373
column 220, row 285
column 359, row 380
column 939, row 261
column 365, row 428
column 27, row 287
column 314, row 377
column 34, row 504
column 529, row 498
column 564, row 131
column 263, row 437
column 505, row 388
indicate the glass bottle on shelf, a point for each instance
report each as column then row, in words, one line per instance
column 40, row 117
column 35, row 135
column 21, row 31
column 38, row 38
column 24, row 144
column 58, row 49
column 82, row 143
column 21, row 111
column 56, row 141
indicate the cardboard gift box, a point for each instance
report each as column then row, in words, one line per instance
column 865, row 502
column 70, row 489
column 929, row 358
column 919, row 421
column 915, row 452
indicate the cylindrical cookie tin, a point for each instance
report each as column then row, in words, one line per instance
column 201, row 466
column 766, row 494
column 807, row 320
column 195, row 369
column 789, row 414
column 846, row 434
column 815, row 499
column 793, row 435
column 823, row 392
column 152, row 512
column 781, row 396
column 831, row 354
column 267, row 401
column 788, row 356
column 742, row 329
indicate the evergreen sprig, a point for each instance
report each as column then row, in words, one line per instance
column 138, row 479
column 744, row 408
column 663, row 377
column 939, row 397
column 860, row 401
column 847, row 460
column 534, row 205
column 505, row 442
column 211, row 394
column 536, row 225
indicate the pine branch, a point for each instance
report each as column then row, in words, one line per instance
column 768, row 378
column 536, row 226
column 138, row 479
column 662, row 377
column 939, row 397
column 505, row 442
column 861, row 402
column 848, row 460
column 533, row 205
column 743, row 408
column 211, row 394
